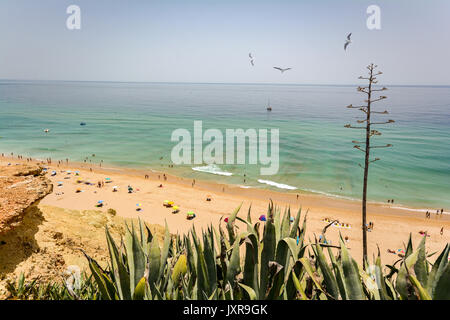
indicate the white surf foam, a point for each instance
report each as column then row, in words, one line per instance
column 277, row 185
column 213, row 169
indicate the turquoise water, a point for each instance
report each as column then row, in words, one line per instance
column 130, row 125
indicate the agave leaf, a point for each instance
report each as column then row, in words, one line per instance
column 277, row 223
column 299, row 287
column 121, row 276
column 285, row 225
column 409, row 248
column 230, row 223
column 105, row 286
column 202, row 285
column 251, row 263
column 180, row 269
column 154, row 263
column 251, row 293
column 338, row 273
column 437, row 269
column 135, row 256
column 422, row 293
column 139, row 291
column 329, row 279
column 294, row 226
column 234, row 265
column 421, row 265
column 379, row 278
column 302, row 234
column 210, row 260
column 351, row 275
column 142, row 238
column 402, row 281
column 267, row 254
column 370, row 285
column 441, row 290
column 165, row 251
column 309, row 270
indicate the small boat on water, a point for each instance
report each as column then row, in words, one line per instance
column 46, row 130
column 82, row 123
column 269, row 108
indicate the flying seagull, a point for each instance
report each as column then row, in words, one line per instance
column 281, row 69
column 348, row 41
column 251, row 59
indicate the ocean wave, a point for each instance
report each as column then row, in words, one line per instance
column 213, row 169
column 277, row 185
column 432, row 211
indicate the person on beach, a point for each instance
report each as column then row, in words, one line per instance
column 442, row 231
column 442, row 211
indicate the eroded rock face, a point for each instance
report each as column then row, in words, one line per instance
column 21, row 186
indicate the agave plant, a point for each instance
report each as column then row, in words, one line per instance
column 206, row 267
column 244, row 260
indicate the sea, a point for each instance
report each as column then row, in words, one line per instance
column 130, row 125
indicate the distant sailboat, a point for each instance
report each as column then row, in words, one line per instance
column 269, row 108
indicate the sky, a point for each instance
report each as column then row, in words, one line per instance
column 209, row 41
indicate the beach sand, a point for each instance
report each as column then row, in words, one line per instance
column 392, row 226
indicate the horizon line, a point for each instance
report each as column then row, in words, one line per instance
column 225, row 83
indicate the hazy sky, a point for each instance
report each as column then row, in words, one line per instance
column 209, row 41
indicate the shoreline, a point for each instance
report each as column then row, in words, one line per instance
column 289, row 198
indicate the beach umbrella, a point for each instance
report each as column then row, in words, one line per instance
column 60, row 183
column 226, row 220
column 292, row 219
column 108, row 179
column 138, row 204
column 262, row 218
column 100, row 201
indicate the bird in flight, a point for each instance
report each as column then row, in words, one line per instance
column 348, row 41
column 281, row 69
column 251, row 59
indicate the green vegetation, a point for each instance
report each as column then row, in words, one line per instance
column 229, row 263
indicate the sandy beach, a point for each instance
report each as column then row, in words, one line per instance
column 392, row 226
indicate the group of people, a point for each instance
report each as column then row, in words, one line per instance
column 438, row 213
